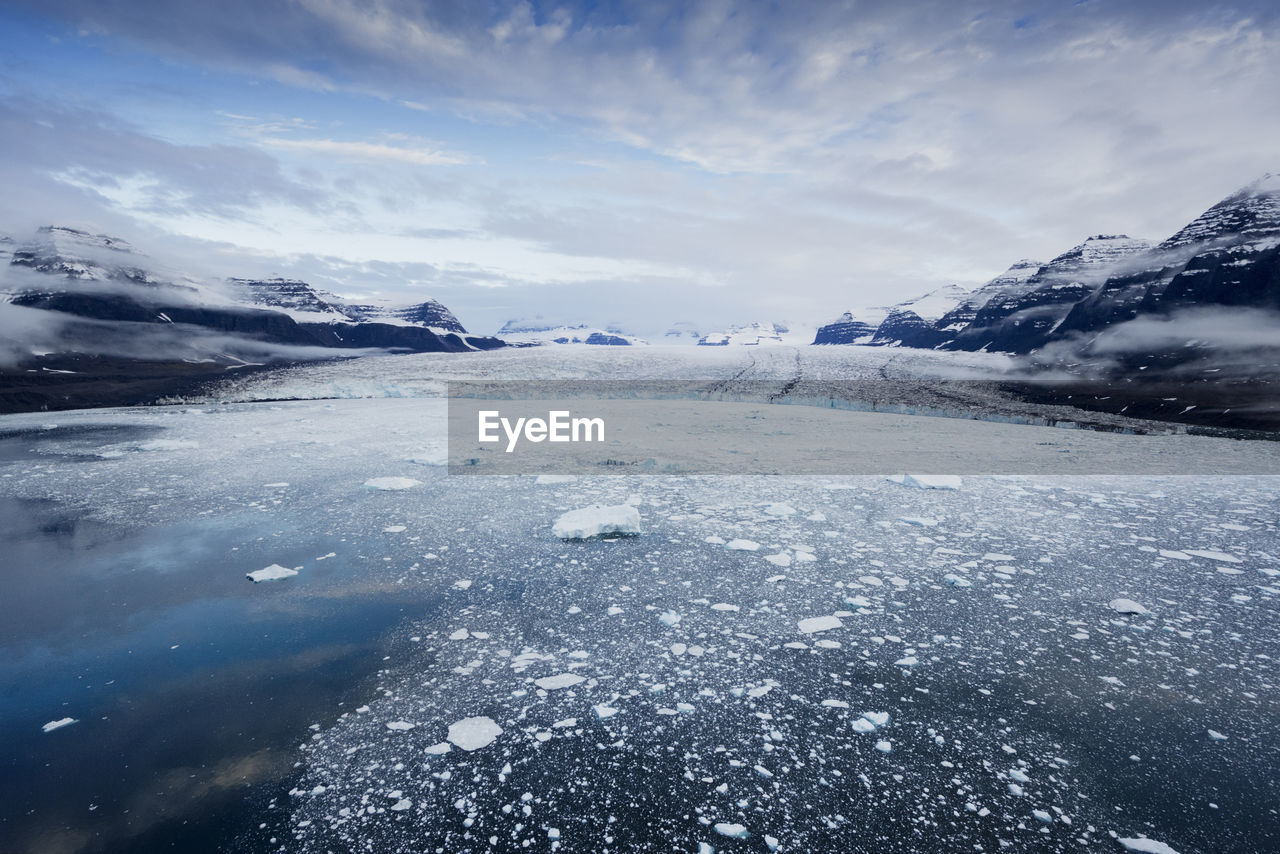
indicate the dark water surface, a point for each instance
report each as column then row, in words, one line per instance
column 190, row 684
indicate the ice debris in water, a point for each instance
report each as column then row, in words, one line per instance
column 1126, row 606
column 742, row 546
column 811, row 625
column 596, row 520
column 58, row 724
column 474, row 733
column 391, row 483
column 928, row 481
column 735, row 831
column 1145, row 846
column 275, row 572
column 561, row 680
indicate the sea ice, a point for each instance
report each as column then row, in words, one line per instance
column 1212, row 555
column 929, row 481
column 474, row 733
column 1126, row 606
column 560, row 680
column 275, row 572
column 58, row 724
column 737, row 831
column 742, row 546
column 391, row 483
column 811, row 625
column 1145, row 846
column 596, row 520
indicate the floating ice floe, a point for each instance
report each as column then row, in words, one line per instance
column 400, row 726
column 1127, row 606
column 884, row 746
column 391, row 483
column 1222, row 557
column 781, row 559
column 275, row 572
column 736, row 831
column 742, row 546
column 810, row 625
column 596, row 520
column 560, row 680
column 928, row 481
column 1145, row 846
column 1214, row 735
column 780, row 510
column 394, row 529
column 604, row 711
column 919, row 521
column 474, row 733
column 58, row 724
column 401, row 805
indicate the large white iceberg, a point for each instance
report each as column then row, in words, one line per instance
column 596, row 520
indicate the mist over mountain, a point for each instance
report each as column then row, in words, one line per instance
column 1113, row 297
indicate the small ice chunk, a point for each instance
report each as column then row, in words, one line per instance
column 1223, row 557
column 876, row 719
column 391, row 483
column 401, row 805
column 780, row 510
column 919, row 521
column 1126, row 606
column 742, row 546
column 1214, row 735
column 604, row 711
column 930, row 481
column 438, row 749
column 462, row 584
column 275, row 572
column 400, row 726
column 474, row 733
column 1043, row 815
column 884, row 746
column 957, row 580
column 1145, row 846
column 908, row 661
column 544, row 479
column 811, row 625
column 835, row 704
column 669, row 618
column 736, row 831
column 560, row 680
column 781, row 559
column 597, row 520
column 394, row 529
column 58, row 724
column 460, row 634
column 724, row 606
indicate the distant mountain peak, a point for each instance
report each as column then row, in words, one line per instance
column 1253, row 210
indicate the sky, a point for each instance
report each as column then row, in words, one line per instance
column 629, row 164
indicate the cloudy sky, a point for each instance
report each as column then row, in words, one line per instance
column 629, row 163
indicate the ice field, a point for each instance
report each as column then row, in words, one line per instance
column 805, row 664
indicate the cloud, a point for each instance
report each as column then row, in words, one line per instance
column 369, row 151
column 804, row 162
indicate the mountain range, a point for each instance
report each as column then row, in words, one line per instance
column 102, row 288
column 1080, row 302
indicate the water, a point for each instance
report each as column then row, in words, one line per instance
column 192, row 685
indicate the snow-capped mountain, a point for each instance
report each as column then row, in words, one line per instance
column 851, row 327
column 111, row 298
column 537, row 332
column 682, row 332
column 758, row 333
column 1011, row 283
column 308, row 304
column 1229, row 256
column 913, row 323
column 1024, row 318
